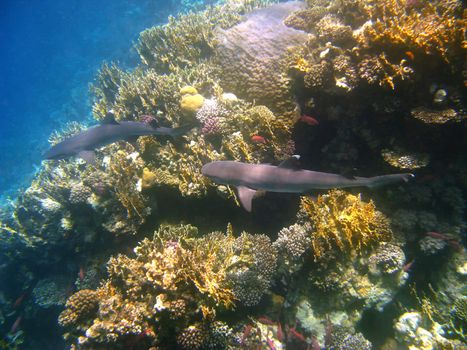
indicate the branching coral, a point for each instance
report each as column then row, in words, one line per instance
column 190, row 38
column 435, row 28
column 343, row 221
column 178, row 275
column 147, row 92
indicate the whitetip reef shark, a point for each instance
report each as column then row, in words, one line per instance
column 84, row 143
column 287, row 177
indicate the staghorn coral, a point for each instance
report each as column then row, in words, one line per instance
column 189, row 38
column 343, row 221
column 141, row 92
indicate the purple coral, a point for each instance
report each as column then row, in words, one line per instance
column 210, row 115
column 211, row 126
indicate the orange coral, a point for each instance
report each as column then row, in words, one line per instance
column 343, row 221
column 436, row 28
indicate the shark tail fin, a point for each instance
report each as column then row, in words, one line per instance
column 388, row 179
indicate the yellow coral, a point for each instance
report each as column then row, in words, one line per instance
column 343, row 221
column 188, row 90
column 435, row 28
column 191, row 103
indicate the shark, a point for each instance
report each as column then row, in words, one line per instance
column 287, row 177
column 84, row 143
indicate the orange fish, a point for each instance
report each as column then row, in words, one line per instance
column 309, row 120
column 258, row 139
column 19, row 301
column 81, row 273
column 410, row 55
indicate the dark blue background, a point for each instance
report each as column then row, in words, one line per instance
column 49, row 53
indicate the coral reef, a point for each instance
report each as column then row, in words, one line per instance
column 252, row 57
column 177, row 274
column 383, row 84
column 344, row 222
column 342, row 339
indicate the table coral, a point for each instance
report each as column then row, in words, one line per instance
column 343, row 221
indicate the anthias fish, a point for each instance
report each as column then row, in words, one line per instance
column 286, row 177
column 84, row 143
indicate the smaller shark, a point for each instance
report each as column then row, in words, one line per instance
column 287, row 177
column 84, row 143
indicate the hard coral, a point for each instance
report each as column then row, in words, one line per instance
column 252, row 57
column 80, row 306
column 435, row 28
column 343, row 221
column 180, row 275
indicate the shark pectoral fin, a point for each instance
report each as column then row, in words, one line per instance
column 246, row 195
column 88, row 156
column 132, row 140
column 291, row 163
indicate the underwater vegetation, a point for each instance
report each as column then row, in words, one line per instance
column 355, row 87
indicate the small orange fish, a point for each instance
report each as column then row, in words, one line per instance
column 408, row 266
column 297, row 334
column 19, row 301
column 410, row 55
column 309, row 120
column 280, row 333
column 81, row 273
column 258, row 139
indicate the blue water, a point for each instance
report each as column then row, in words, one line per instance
column 50, row 52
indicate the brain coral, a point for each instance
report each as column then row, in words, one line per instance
column 250, row 55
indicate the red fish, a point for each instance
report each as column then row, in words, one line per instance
column 81, row 273
column 453, row 242
column 314, row 344
column 258, row 139
column 246, row 333
column 408, row 266
column 309, row 120
column 19, row 301
column 297, row 335
column 15, row 326
column 266, row 320
column 270, row 344
column 280, row 334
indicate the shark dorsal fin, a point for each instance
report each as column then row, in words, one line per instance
column 245, row 195
column 291, row 163
column 109, row 119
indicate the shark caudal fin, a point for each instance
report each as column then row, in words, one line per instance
column 388, row 179
column 245, row 195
